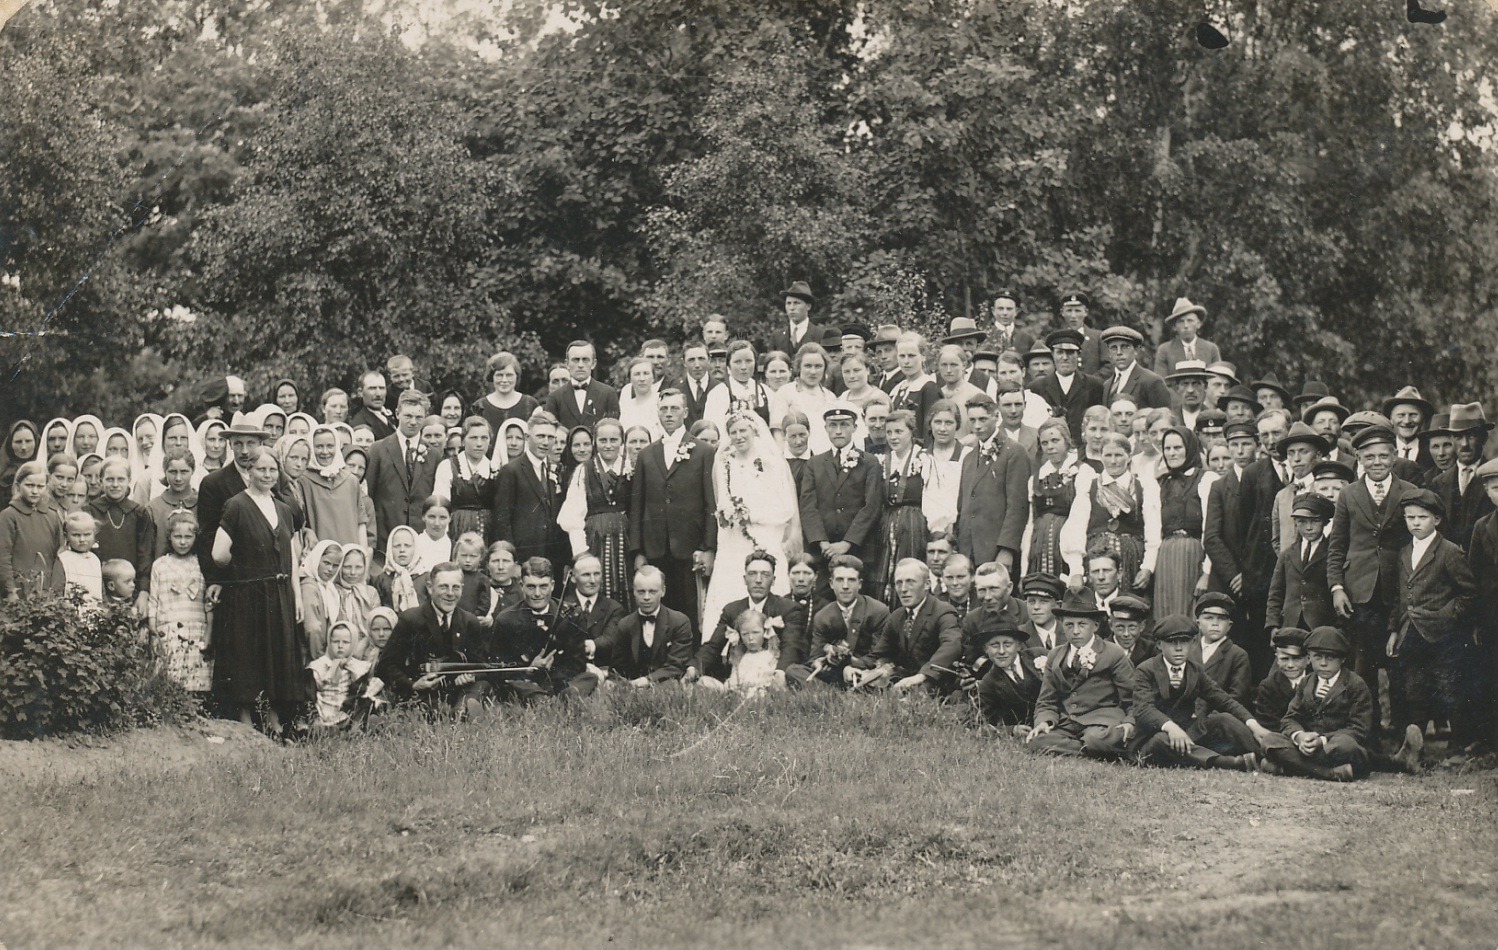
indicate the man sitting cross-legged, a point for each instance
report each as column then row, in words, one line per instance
column 537, row 633
column 1087, row 693
column 921, row 641
column 844, row 632
column 1172, row 690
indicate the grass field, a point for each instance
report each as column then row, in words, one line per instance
column 680, row 820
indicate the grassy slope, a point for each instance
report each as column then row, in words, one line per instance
column 812, row 821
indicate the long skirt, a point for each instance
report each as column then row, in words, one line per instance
column 469, row 519
column 1177, row 570
column 1128, row 548
column 903, row 535
column 258, row 647
column 1045, row 546
column 608, row 539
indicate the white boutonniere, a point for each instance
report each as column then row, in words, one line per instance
column 1087, row 659
column 774, row 623
column 1040, row 663
column 683, row 452
column 848, row 458
column 420, row 452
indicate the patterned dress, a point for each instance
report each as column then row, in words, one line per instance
column 904, row 524
column 607, row 528
column 177, row 616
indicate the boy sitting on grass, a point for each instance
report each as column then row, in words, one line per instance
column 1128, row 616
column 1171, row 688
column 1011, row 684
column 1087, row 692
column 1279, row 687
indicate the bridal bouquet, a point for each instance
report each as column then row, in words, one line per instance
column 736, row 515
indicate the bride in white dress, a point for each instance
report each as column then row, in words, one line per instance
column 757, row 509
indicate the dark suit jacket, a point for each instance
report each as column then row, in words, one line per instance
column 416, row 640
column 1228, row 668
column 397, row 498
column 1146, row 389
column 1225, row 533
column 1172, row 351
column 602, row 403
column 1093, row 358
column 838, row 505
column 1018, row 339
column 1086, row 392
column 781, row 338
column 525, row 512
column 598, row 622
column 1482, row 558
column 1155, row 702
column 1365, row 541
column 1299, row 595
column 1273, row 699
column 993, row 502
column 1436, row 596
column 666, row 659
column 1102, row 696
column 671, row 513
column 377, row 424
column 934, row 640
column 1463, row 511
column 1261, row 482
column 710, row 660
column 870, row 618
column 1005, row 702
column 1346, row 711
column 888, row 383
column 519, row 636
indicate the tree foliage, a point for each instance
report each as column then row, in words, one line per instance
column 316, row 190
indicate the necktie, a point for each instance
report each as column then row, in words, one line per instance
column 1191, row 350
column 442, row 621
column 587, row 606
column 1015, row 673
column 410, row 460
column 1408, row 452
column 546, row 480
column 909, row 626
column 1379, row 491
column 1322, row 688
column 1307, row 548
column 1464, row 478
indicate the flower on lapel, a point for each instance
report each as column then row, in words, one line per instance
column 847, row 459
column 1040, row 663
column 1087, row 659
column 420, row 452
column 683, row 452
column 989, row 453
column 774, row 623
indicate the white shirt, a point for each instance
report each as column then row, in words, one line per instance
column 672, row 444
column 581, row 395
column 648, row 623
column 1121, row 378
column 1071, row 654
column 1177, row 673
column 798, row 331
column 585, row 604
column 1419, row 547
column 1209, row 650
column 1406, row 450
column 1048, row 635
column 1387, row 484
column 540, row 467
column 467, row 469
column 1065, row 383
column 1073, row 539
column 1329, row 684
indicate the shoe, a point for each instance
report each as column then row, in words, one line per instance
column 1343, row 773
column 1408, row 755
column 1268, row 767
column 1248, row 762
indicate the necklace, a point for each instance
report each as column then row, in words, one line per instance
column 110, row 515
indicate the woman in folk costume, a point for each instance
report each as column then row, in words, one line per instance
column 947, row 452
column 909, row 505
column 1119, row 514
column 215, row 447
column 321, row 604
column 396, row 585
column 22, row 444
column 740, row 392
column 329, row 492
column 919, row 391
column 146, row 434
column 88, row 436
column 1182, row 567
column 300, row 423
column 466, row 480
column 1053, row 488
column 117, row 443
column 509, row 443
column 595, row 512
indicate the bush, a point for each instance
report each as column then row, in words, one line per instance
column 67, row 666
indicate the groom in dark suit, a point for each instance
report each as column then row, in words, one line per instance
column 842, row 492
column 672, row 523
column 527, row 496
column 401, row 472
column 782, row 614
column 654, row 643
column 585, row 400
column 993, row 495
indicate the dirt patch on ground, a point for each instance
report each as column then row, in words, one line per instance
column 164, row 749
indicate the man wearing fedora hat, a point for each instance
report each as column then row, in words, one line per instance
column 1184, row 321
column 1459, row 488
column 1368, row 532
column 965, row 333
column 1314, row 390
column 1408, row 412
column 797, row 302
column 1006, row 333
column 1224, row 377
column 1074, row 307
column 1128, row 377
column 219, row 486
column 885, row 347
column 1270, row 394
column 1439, row 443
column 1086, row 697
column 1300, row 450
column 1069, row 391
column 1326, row 416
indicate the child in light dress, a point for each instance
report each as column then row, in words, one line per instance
column 340, row 680
column 753, row 656
column 176, row 611
column 433, row 546
column 77, row 564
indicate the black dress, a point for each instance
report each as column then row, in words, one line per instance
column 258, row 649
column 472, row 498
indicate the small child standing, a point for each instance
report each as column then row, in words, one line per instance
column 753, row 658
column 356, row 597
column 433, row 546
column 468, row 552
column 119, row 581
column 176, row 610
column 78, row 565
column 335, row 674
column 179, row 496
column 396, row 585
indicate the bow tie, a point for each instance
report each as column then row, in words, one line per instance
column 649, row 618
column 580, row 387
